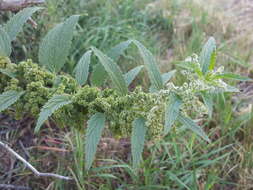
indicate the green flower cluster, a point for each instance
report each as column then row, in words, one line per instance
column 40, row 85
column 4, row 67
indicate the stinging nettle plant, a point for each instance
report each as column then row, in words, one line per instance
column 39, row 90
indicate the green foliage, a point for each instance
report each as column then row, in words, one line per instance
column 131, row 75
column 5, row 43
column 70, row 104
column 55, row 47
column 118, row 50
column 15, row 24
column 55, row 103
column 190, row 124
column 113, row 70
column 206, row 55
column 82, row 69
column 151, row 66
column 94, row 131
column 233, row 76
column 208, row 100
column 178, row 160
column 99, row 75
column 167, row 76
column 7, row 73
column 138, row 140
column 171, row 112
column 8, row 98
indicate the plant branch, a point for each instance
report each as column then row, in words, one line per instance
column 7, row 186
column 15, row 5
column 35, row 171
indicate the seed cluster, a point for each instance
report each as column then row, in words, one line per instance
column 40, row 85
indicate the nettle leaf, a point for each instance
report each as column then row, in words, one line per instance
column 138, row 140
column 55, row 47
column 208, row 100
column 55, row 103
column 113, row 70
column 82, row 68
column 171, row 112
column 8, row 73
column 5, row 43
column 190, row 124
column 150, row 64
column 213, row 60
column 233, row 76
column 131, row 75
column 15, row 24
column 118, row 50
column 8, row 98
column 99, row 75
column 167, row 76
column 206, row 54
column 96, row 124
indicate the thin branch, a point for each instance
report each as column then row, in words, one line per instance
column 35, row 171
column 15, row 187
column 15, row 5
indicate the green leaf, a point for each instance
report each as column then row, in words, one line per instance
column 185, row 65
column 99, row 75
column 5, row 43
column 8, row 73
column 8, row 98
column 138, row 140
column 206, row 54
column 15, row 24
column 55, row 47
column 190, row 124
column 233, row 77
column 55, row 103
column 130, row 75
column 167, row 76
column 230, row 88
column 150, row 64
column 171, row 112
column 208, row 100
column 82, row 68
column 152, row 89
column 213, row 61
column 191, row 66
column 113, row 70
column 95, row 128
column 118, row 50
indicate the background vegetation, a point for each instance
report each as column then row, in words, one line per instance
column 172, row 30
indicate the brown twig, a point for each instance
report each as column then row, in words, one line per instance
column 35, row 171
column 15, row 187
column 15, row 5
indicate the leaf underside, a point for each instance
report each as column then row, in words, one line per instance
column 54, row 49
column 15, row 24
column 171, row 112
column 5, row 43
column 113, row 70
column 190, row 124
column 55, row 103
column 94, row 131
column 8, row 98
column 138, row 140
column 82, row 68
